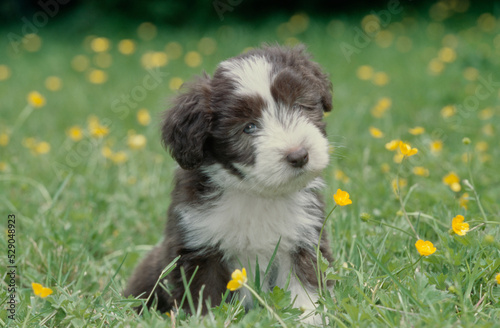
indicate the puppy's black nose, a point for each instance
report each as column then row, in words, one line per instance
column 298, row 157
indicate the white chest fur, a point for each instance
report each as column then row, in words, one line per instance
column 244, row 226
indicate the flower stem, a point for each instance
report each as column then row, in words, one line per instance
column 254, row 293
column 318, row 271
column 398, row 193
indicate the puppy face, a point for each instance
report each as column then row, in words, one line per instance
column 257, row 125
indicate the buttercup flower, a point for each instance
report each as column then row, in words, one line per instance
column 406, row 149
column 342, row 198
column 416, row 130
column 463, row 201
column 498, row 278
column 136, row 141
column 143, row 117
column 425, row 248
column 458, row 226
column 35, row 99
column 376, row 133
column 392, row 145
column 75, row 133
column 238, row 279
column 41, row 291
column 453, row 181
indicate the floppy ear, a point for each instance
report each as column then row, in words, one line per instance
column 186, row 125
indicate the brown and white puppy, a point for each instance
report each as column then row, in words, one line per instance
column 251, row 146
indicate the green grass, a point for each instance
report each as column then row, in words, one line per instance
column 83, row 222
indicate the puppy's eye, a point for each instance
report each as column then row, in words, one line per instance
column 250, row 128
column 298, row 106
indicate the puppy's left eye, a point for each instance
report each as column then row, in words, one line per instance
column 250, row 128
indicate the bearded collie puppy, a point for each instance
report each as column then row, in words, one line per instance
column 251, row 146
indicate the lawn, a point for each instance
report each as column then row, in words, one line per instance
column 83, row 171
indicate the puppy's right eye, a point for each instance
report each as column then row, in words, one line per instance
column 250, row 128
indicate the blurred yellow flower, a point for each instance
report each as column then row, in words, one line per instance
column 498, row 278
column 126, row 47
column 35, row 99
column 41, row 148
column 53, row 83
column 453, row 181
column 41, row 291
column 97, row 76
column 341, row 176
column 207, row 46
column 416, row 130
column 482, row 146
column 4, row 72
column 435, row 66
column 421, row 171
column 447, row 55
column 175, row 83
column 106, row 152
column 365, row 72
column 238, row 279
column 392, row 145
column 425, row 248
column 154, row 59
column 398, row 184
column 32, row 42
column 376, row 133
column 119, row 157
column 147, row 31
column 4, row 167
column 406, row 149
column 193, row 59
column 486, row 113
column 436, row 146
column 448, row 111
column 4, row 139
column 380, row 78
column 143, row 117
column 458, row 225
column 173, row 50
column 99, row 44
column 103, row 60
column 342, row 198
column 463, row 201
column 80, row 63
column 29, row 142
column 75, row 133
column 381, row 107
column 95, row 128
column 136, row 141
column 385, row 167
column 398, row 158
column 471, row 73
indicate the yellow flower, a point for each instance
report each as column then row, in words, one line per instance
column 342, row 198
column 143, row 117
column 341, row 176
column 498, row 278
column 392, row 145
column 364, row 72
column 119, row 157
column 416, row 130
column 448, row 111
column 463, row 201
column 35, row 99
column 380, row 78
column 238, row 279
column 41, row 291
column 75, row 133
column 425, row 248
column 4, row 139
column 193, row 59
column 136, row 141
column 436, row 146
column 376, row 133
column 381, row 107
column 453, row 181
column 458, row 226
column 95, row 128
column 406, row 149
column 41, row 148
column 126, row 47
column 421, row 171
